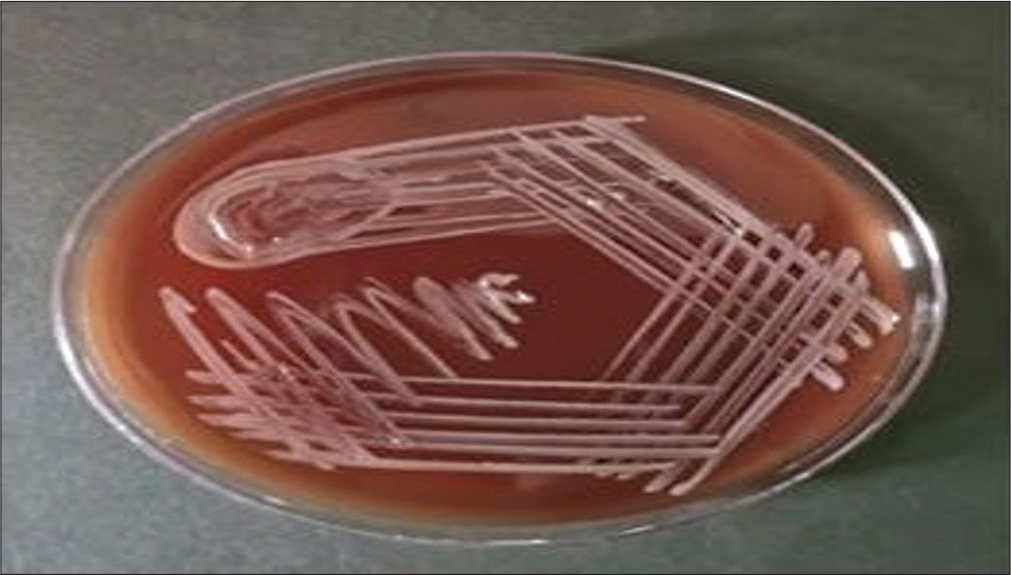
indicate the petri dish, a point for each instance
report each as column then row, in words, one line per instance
column 498, row 298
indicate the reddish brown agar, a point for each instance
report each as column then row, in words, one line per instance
column 586, row 305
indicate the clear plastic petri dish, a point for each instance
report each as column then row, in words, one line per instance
column 498, row 298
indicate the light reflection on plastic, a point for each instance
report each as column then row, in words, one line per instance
column 903, row 251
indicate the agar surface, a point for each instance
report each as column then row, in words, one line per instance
column 745, row 313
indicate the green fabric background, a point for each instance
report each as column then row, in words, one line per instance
column 921, row 89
